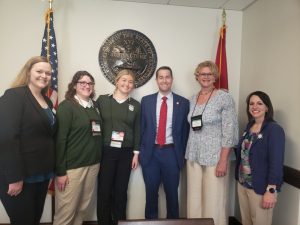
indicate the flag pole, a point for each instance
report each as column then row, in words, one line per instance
column 53, row 93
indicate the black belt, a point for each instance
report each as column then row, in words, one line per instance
column 164, row 146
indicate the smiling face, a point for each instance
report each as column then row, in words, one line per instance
column 125, row 84
column 39, row 76
column 164, row 81
column 84, row 87
column 205, row 77
column 257, row 108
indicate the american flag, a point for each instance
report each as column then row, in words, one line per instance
column 49, row 50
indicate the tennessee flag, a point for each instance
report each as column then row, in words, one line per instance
column 221, row 61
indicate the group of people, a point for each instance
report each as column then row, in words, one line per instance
column 89, row 142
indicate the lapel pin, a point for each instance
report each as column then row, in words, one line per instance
column 131, row 107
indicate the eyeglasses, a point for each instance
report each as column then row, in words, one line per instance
column 84, row 84
column 205, row 74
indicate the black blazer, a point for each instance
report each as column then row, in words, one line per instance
column 26, row 136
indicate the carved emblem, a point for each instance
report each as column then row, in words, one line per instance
column 128, row 49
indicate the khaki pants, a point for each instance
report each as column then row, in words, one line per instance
column 71, row 204
column 207, row 195
column 251, row 211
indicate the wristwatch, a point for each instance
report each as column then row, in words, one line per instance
column 271, row 190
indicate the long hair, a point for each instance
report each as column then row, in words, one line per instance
column 70, row 93
column 23, row 77
column 266, row 100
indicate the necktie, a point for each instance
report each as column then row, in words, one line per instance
column 161, row 132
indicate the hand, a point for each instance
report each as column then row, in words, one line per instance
column 15, row 188
column 269, row 200
column 135, row 161
column 221, row 169
column 62, row 182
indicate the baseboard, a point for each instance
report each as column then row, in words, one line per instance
column 232, row 221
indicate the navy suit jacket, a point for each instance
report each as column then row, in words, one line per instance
column 180, row 127
column 26, row 136
column 266, row 157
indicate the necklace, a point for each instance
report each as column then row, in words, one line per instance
column 206, row 93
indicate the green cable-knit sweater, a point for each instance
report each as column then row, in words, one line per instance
column 120, row 117
column 75, row 145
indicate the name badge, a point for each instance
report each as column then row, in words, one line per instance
column 196, row 122
column 117, row 137
column 96, row 128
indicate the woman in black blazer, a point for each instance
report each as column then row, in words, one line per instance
column 27, row 127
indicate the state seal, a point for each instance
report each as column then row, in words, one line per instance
column 128, row 49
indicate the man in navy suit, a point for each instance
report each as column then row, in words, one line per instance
column 162, row 158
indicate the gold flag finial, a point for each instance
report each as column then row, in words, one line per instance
column 224, row 17
column 50, row 4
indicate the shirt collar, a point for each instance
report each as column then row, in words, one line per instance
column 169, row 95
column 83, row 103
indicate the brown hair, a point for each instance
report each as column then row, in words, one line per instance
column 266, row 100
column 164, row 68
column 72, row 91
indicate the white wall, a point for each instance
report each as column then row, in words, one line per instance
column 270, row 62
column 182, row 36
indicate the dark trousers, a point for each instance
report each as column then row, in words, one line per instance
column 114, row 174
column 27, row 207
column 162, row 168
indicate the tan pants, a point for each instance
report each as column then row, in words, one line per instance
column 207, row 195
column 251, row 211
column 71, row 204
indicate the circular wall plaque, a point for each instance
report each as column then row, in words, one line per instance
column 128, row 49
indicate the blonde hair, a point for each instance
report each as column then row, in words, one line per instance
column 211, row 65
column 124, row 72
column 22, row 78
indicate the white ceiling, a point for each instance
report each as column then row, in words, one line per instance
column 214, row 4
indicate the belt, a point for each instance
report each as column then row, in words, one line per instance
column 164, row 146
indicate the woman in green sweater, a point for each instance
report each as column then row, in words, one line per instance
column 121, row 136
column 78, row 150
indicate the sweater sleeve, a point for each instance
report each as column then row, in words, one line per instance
column 64, row 121
column 137, row 128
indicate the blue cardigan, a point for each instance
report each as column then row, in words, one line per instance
column 266, row 157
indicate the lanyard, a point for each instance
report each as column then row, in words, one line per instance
column 205, row 102
column 96, row 109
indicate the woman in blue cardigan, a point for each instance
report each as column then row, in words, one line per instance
column 259, row 168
